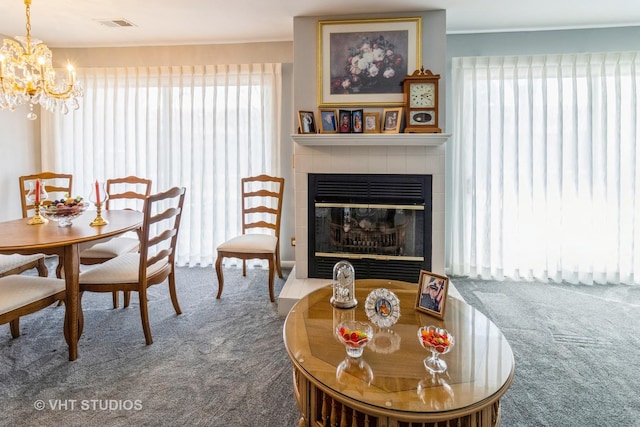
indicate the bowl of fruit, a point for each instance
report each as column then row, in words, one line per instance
column 64, row 210
column 438, row 341
column 354, row 335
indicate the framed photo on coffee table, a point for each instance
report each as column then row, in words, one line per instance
column 432, row 294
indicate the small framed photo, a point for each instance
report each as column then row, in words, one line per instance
column 344, row 121
column 356, row 121
column 328, row 121
column 432, row 294
column 307, row 122
column 371, row 122
column 391, row 120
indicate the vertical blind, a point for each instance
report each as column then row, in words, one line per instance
column 201, row 127
column 546, row 168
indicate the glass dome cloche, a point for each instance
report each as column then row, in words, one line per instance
column 344, row 278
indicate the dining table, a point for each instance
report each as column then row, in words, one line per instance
column 19, row 237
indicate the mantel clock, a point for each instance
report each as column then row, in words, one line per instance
column 421, row 102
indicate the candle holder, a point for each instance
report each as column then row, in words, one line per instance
column 37, row 219
column 98, row 197
column 36, row 197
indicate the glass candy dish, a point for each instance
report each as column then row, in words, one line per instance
column 355, row 336
column 438, row 341
column 64, row 212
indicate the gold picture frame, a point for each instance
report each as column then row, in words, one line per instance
column 307, row 122
column 391, row 120
column 328, row 120
column 371, row 122
column 432, row 294
column 362, row 62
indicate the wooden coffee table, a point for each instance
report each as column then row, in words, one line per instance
column 389, row 385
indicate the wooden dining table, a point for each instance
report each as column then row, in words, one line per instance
column 18, row 237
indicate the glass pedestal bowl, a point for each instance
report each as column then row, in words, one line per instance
column 355, row 336
column 63, row 215
column 438, row 341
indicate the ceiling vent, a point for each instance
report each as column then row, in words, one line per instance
column 119, row 22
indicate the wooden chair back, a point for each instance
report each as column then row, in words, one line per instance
column 159, row 234
column 262, row 204
column 55, row 184
column 127, row 193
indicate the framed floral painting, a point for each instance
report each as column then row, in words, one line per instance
column 363, row 62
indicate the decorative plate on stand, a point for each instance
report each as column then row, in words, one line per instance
column 382, row 307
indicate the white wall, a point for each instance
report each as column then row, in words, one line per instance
column 19, row 155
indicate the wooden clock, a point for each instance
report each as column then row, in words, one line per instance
column 421, row 102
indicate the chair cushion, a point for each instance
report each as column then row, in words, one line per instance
column 250, row 243
column 19, row 290
column 121, row 269
column 111, row 248
column 9, row 262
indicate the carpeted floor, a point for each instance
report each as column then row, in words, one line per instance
column 223, row 363
column 576, row 350
column 220, row 363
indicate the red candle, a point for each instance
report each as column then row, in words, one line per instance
column 97, row 193
column 37, row 191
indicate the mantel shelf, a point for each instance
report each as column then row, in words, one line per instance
column 372, row 139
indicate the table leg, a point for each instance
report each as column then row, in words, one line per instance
column 71, row 278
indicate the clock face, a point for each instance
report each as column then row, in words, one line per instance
column 422, row 95
column 422, row 117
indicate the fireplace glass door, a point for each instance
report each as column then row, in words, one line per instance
column 356, row 231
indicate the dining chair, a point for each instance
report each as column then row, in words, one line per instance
column 124, row 193
column 16, row 264
column 152, row 265
column 260, row 239
column 57, row 185
column 21, row 295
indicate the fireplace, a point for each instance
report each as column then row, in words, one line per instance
column 381, row 223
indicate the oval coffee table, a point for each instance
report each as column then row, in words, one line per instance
column 389, row 385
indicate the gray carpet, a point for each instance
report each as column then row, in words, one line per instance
column 223, row 363
column 220, row 363
column 576, row 349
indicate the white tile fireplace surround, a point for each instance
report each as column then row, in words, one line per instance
column 370, row 154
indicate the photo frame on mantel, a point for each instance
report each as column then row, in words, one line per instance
column 362, row 62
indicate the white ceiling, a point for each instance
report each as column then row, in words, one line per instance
column 75, row 23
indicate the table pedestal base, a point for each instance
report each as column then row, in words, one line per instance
column 319, row 408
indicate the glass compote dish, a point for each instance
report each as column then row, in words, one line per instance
column 438, row 341
column 64, row 211
column 355, row 336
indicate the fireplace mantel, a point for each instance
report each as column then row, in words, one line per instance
column 372, row 139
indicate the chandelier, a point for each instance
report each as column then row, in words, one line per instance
column 27, row 75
